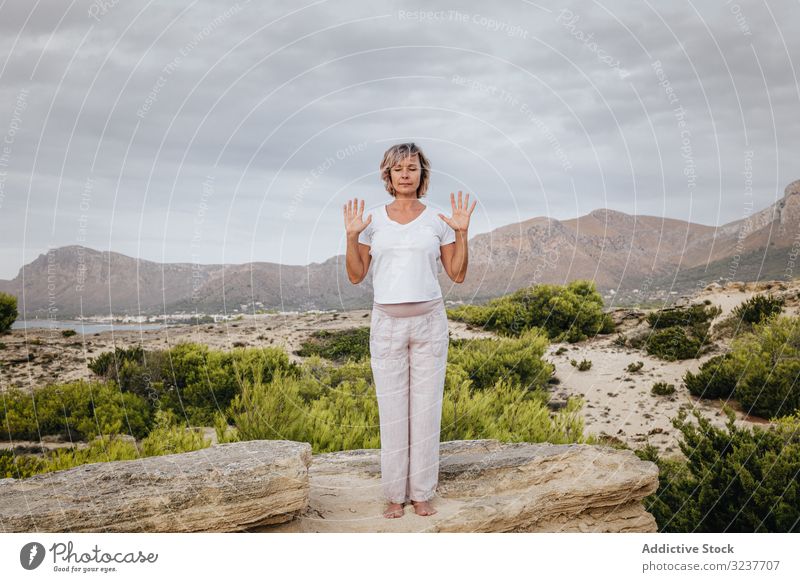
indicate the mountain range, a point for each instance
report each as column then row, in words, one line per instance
column 633, row 259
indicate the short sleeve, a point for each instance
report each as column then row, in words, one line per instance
column 365, row 236
column 448, row 235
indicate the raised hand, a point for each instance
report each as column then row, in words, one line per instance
column 459, row 222
column 354, row 217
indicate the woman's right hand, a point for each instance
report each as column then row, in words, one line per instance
column 354, row 221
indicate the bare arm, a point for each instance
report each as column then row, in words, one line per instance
column 357, row 258
column 455, row 257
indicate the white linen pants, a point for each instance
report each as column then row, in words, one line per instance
column 408, row 355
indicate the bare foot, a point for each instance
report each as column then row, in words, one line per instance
column 393, row 510
column 423, row 508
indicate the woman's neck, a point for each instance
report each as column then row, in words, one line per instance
column 406, row 204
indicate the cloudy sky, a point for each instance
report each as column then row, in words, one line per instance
column 234, row 131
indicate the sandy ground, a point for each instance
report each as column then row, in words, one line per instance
column 617, row 403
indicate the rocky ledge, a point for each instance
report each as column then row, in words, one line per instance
column 277, row 486
column 223, row 488
column 488, row 486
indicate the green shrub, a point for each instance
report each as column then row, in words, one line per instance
column 506, row 412
column 570, row 313
column 80, row 410
column 344, row 418
column 582, row 366
column 169, row 437
column 634, row 367
column 192, row 380
column 681, row 332
column 338, row 345
column 166, row 438
column 13, row 466
column 662, row 389
column 518, row 360
column 270, row 410
column 672, row 343
column 767, row 365
column 758, row 308
column 68, row 332
column 107, row 363
column 682, row 316
column 715, row 379
column 350, row 371
column 747, row 315
column 736, row 480
column 8, row 311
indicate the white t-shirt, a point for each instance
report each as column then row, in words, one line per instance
column 406, row 257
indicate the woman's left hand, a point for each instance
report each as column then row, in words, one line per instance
column 459, row 222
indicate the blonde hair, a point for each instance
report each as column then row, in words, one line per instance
column 399, row 152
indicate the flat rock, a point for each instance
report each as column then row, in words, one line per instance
column 488, row 486
column 223, row 488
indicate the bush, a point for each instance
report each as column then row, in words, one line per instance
column 634, row 367
column 582, row 366
column 672, row 344
column 767, row 365
column 570, row 313
column 758, row 308
column 682, row 332
column 682, row 316
column 518, row 360
column 747, row 315
column 662, row 389
column 192, row 380
column 80, row 410
column 270, row 410
column 346, row 416
column 68, row 332
column 107, row 363
column 8, row 311
column 506, row 412
column 734, row 480
column 14, row 466
column 167, row 438
column 715, row 379
column 338, row 345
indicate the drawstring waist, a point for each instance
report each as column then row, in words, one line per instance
column 410, row 309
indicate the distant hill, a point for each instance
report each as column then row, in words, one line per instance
column 635, row 258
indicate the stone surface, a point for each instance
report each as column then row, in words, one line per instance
column 223, row 488
column 488, row 486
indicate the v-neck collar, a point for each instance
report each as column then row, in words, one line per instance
column 386, row 214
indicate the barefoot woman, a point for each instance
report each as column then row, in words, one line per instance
column 409, row 337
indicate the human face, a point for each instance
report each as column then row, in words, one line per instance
column 406, row 175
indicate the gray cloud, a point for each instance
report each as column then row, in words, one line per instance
column 515, row 102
